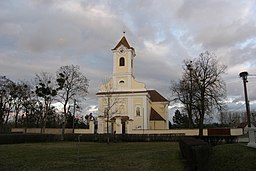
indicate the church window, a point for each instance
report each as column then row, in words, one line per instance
column 122, row 61
column 121, row 82
column 137, row 111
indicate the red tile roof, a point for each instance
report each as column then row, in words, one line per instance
column 154, row 116
column 156, row 97
column 124, row 42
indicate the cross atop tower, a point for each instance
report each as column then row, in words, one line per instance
column 124, row 30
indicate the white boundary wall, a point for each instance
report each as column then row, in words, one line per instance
column 51, row 131
column 186, row 132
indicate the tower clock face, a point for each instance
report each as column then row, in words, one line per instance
column 121, row 50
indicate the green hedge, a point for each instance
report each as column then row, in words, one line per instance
column 27, row 138
column 150, row 137
column 196, row 152
column 6, row 129
column 221, row 139
column 124, row 137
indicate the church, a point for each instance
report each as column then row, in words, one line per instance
column 126, row 106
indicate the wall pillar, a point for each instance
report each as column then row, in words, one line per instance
column 129, row 126
column 100, row 125
column 252, row 138
column 91, row 126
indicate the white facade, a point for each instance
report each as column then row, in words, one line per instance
column 126, row 103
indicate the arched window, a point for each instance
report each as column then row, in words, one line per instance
column 121, row 82
column 137, row 111
column 122, row 61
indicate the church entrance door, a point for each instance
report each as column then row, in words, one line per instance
column 123, row 127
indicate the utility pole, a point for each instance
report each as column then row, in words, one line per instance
column 244, row 77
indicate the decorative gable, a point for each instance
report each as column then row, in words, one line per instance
column 123, row 42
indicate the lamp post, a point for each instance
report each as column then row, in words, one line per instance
column 190, row 68
column 74, row 112
column 244, row 77
column 1, row 105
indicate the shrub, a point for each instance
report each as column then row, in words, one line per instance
column 195, row 151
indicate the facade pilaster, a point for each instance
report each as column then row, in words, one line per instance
column 100, row 125
column 118, row 125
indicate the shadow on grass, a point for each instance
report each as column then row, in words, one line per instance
column 153, row 156
column 232, row 157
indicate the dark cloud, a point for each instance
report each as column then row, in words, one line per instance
column 42, row 35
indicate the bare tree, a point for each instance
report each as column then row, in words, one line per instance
column 45, row 90
column 202, row 87
column 73, row 85
column 231, row 119
column 18, row 95
column 6, row 104
column 16, row 98
column 111, row 101
column 184, row 94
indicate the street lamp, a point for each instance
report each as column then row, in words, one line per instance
column 244, row 77
column 74, row 112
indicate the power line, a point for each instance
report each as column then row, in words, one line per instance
column 237, row 108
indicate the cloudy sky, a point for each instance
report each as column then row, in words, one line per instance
column 42, row 35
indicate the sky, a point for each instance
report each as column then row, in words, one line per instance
column 42, row 35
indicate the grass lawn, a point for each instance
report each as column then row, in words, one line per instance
column 149, row 156
column 232, row 157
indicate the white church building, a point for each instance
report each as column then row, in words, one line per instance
column 126, row 105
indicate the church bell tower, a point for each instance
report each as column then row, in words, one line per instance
column 123, row 65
